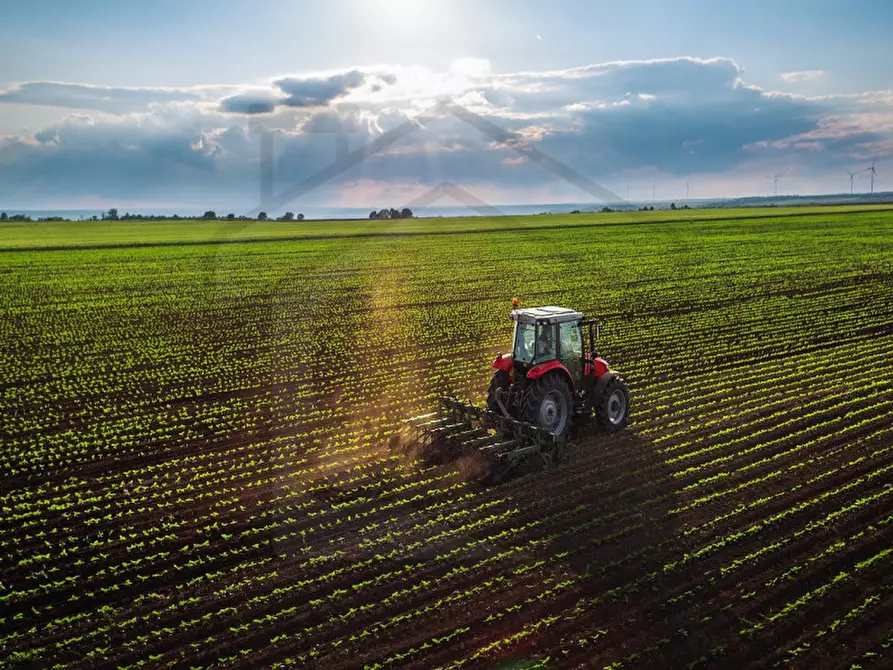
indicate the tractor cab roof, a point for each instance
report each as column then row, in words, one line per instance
column 545, row 315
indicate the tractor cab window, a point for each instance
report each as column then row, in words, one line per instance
column 525, row 342
column 535, row 343
column 546, row 346
column 572, row 349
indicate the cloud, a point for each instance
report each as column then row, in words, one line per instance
column 112, row 99
column 306, row 91
column 291, row 91
column 258, row 102
column 803, row 75
column 334, row 121
column 318, row 92
column 619, row 122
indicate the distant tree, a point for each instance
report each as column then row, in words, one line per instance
column 300, row 217
column 576, row 211
column 373, row 214
column 230, row 217
column 406, row 213
column 210, row 215
column 4, row 217
column 262, row 216
column 288, row 216
column 395, row 214
column 685, row 207
column 651, row 209
column 672, row 205
column 20, row 217
column 94, row 218
column 607, row 210
column 111, row 215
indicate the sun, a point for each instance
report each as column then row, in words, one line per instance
column 406, row 14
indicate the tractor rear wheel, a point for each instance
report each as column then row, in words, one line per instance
column 550, row 405
column 612, row 409
column 499, row 384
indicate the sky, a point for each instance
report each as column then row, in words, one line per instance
column 139, row 105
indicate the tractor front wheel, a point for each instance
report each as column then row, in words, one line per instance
column 550, row 405
column 612, row 409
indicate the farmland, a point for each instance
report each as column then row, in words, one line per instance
column 198, row 471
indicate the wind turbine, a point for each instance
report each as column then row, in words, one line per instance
column 852, row 178
column 775, row 179
column 873, row 173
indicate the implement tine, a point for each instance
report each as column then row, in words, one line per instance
column 479, row 442
column 469, row 434
column 421, row 417
column 451, row 428
column 501, row 447
column 434, row 423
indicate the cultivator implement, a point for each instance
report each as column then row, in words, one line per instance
column 497, row 442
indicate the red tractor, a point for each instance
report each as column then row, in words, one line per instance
column 534, row 398
column 550, row 379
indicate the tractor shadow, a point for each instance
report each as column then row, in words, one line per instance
column 623, row 492
column 611, row 494
column 607, row 530
column 598, row 529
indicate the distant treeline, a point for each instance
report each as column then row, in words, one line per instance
column 405, row 213
column 113, row 215
column 210, row 215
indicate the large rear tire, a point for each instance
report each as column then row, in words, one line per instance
column 499, row 383
column 550, row 405
column 612, row 410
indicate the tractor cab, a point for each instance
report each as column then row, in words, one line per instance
column 550, row 377
column 546, row 334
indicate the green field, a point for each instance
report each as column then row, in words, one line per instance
column 197, row 466
column 120, row 233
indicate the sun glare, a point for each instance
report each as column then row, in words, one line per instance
column 405, row 14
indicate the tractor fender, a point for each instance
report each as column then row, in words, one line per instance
column 602, row 382
column 503, row 363
column 538, row 371
column 595, row 367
